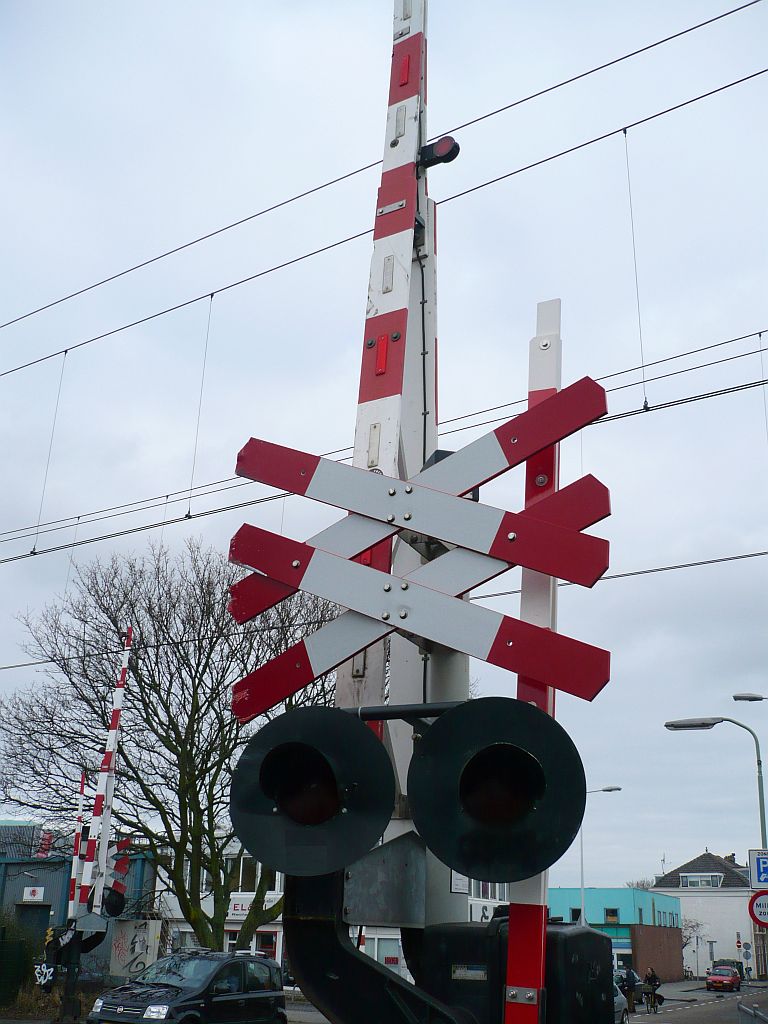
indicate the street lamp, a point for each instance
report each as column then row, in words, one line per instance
column 604, row 789
column 709, row 723
column 748, row 696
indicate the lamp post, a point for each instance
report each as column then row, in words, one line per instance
column 604, row 789
column 684, row 724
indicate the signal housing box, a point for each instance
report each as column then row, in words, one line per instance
column 465, row 965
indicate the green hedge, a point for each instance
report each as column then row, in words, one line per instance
column 16, row 959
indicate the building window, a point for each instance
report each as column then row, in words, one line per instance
column 700, row 881
column 611, row 915
column 475, row 889
column 248, row 875
column 639, row 915
column 575, row 914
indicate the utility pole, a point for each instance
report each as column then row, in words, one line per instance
column 396, row 429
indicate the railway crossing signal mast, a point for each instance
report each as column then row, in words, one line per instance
column 491, row 789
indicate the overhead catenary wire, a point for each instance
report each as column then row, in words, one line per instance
column 634, row 261
column 369, row 166
column 231, row 483
column 50, row 447
column 643, row 410
column 362, row 234
column 199, row 406
column 650, row 570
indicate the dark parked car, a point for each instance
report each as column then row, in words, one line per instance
column 724, row 979
column 198, row 987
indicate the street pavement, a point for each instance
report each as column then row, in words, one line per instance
column 689, row 1003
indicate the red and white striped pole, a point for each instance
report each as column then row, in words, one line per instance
column 75, row 873
column 98, row 836
column 526, row 950
column 396, row 429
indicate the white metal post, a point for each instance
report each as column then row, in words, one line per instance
column 396, row 429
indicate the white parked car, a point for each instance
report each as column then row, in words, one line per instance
column 620, row 1011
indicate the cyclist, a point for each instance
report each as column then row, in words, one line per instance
column 651, row 982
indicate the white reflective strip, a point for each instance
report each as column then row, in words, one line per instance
column 445, row 620
column 340, row 639
column 469, row 467
column 385, row 412
column 452, row 573
column 399, row 249
column 424, row 510
column 402, row 128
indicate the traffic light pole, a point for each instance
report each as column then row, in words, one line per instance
column 396, row 430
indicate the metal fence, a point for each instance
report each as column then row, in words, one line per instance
column 754, row 1012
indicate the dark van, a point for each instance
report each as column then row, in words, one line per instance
column 198, row 987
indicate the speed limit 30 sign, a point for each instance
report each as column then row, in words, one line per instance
column 758, row 907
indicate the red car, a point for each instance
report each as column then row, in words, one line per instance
column 724, row 979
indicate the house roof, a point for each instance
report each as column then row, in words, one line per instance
column 735, row 876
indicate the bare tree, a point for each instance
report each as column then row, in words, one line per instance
column 690, row 928
column 179, row 739
column 641, row 883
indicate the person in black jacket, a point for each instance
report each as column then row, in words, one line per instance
column 629, row 989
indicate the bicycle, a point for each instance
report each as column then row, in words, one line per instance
column 649, row 998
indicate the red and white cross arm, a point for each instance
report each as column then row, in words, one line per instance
column 479, row 462
column 578, row 506
column 74, row 875
column 98, row 836
column 120, row 862
column 516, row 538
column 557, row 660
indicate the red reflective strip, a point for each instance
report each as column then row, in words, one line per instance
column 98, row 808
column 553, row 550
column 272, row 683
column 558, row 417
column 374, row 384
column 397, row 186
column 382, row 343
column 114, row 720
column 254, row 595
column 119, row 887
column 578, row 506
column 279, row 557
column 72, row 889
column 407, row 60
column 378, row 557
column 562, row 662
column 288, row 468
column 526, row 945
column 405, row 69
column 106, row 761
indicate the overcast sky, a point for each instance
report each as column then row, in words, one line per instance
column 129, row 128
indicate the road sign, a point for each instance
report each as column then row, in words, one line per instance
column 758, row 869
column 746, row 955
column 545, row 537
column 747, row 946
column 758, row 907
column 738, row 944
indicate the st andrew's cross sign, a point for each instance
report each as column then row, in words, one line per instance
column 426, row 602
